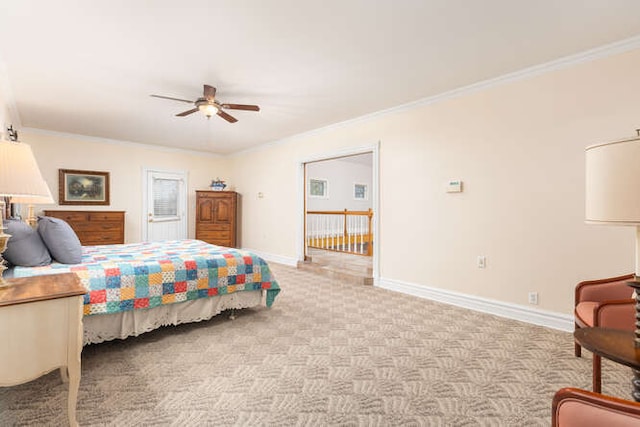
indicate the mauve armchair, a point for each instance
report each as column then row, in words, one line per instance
column 605, row 303
column 573, row 407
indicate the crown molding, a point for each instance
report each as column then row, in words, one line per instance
column 564, row 62
column 604, row 51
column 100, row 140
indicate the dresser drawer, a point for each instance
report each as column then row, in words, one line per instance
column 218, row 242
column 213, row 227
column 106, row 216
column 70, row 217
column 80, row 227
column 89, row 238
column 217, row 235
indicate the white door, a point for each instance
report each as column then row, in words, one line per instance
column 165, row 210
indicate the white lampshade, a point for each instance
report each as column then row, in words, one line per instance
column 35, row 200
column 613, row 183
column 20, row 176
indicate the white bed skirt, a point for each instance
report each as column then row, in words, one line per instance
column 106, row 327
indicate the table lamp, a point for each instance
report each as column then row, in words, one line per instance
column 20, row 177
column 30, row 201
column 612, row 194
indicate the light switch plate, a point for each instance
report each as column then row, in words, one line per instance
column 454, row 186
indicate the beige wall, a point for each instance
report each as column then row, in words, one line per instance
column 126, row 163
column 518, row 147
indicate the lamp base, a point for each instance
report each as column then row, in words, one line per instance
column 31, row 217
column 635, row 284
column 4, row 239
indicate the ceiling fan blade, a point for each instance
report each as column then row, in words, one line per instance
column 186, row 113
column 209, row 92
column 227, row 117
column 241, row 107
column 173, row 99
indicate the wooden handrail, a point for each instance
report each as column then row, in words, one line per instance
column 330, row 240
column 369, row 212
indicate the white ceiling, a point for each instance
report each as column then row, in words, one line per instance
column 88, row 67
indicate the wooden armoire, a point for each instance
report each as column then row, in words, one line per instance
column 216, row 217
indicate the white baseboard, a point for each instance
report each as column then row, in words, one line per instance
column 550, row 319
column 290, row 261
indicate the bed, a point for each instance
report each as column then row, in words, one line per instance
column 135, row 288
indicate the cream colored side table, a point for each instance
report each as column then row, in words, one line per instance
column 41, row 330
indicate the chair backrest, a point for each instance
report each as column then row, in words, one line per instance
column 612, row 288
column 574, row 407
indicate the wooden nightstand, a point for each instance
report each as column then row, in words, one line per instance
column 41, row 330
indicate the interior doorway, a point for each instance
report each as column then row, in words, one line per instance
column 340, row 196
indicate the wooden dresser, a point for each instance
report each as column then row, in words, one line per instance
column 94, row 227
column 216, row 217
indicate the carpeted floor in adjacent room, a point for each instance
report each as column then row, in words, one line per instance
column 327, row 353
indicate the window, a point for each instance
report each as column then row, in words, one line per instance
column 165, row 197
column 318, row 188
column 360, row 192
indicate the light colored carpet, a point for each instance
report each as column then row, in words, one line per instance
column 325, row 354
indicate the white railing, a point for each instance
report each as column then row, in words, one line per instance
column 342, row 231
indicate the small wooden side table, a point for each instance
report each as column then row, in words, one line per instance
column 41, row 330
column 616, row 345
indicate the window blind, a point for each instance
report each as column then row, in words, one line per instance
column 165, row 197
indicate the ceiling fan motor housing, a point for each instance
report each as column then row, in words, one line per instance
column 209, row 108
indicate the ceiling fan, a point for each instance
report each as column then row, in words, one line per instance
column 210, row 106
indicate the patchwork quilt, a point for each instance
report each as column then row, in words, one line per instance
column 144, row 275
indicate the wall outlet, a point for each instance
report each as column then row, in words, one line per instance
column 533, row 298
column 482, row 261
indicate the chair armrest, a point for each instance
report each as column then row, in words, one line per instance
column 612, row 288
column 572, row 407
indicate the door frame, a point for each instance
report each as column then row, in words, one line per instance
column 375, row 201
column 145, row 197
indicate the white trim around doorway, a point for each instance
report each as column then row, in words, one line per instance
column 374, row 194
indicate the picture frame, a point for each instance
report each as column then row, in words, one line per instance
column 360, row 191
column 318, row 188
column 81, row 187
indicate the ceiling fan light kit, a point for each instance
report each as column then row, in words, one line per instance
column 208, row 109
column 210, row 106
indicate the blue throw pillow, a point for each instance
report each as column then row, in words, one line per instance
column 25, row 247
column 61, row 240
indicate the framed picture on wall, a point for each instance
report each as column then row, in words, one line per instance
column 78, row 187
column 360, row 192
column 318, row 188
